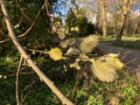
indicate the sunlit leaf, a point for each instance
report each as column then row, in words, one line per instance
column 114, row 61
column 55, row 54
column 113, row 55
column 103, row 71
column 1, row 76
column 105, row 68
column 89, row 44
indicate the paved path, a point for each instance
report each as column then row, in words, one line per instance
column 129, row 56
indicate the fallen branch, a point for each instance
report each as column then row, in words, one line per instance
column 48, row 82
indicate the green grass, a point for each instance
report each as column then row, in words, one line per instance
column 132, row 42
column 124, row 88
column 98, row 94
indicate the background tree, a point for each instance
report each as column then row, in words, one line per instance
column 103, row 6
column 102, row 16
column 124, row 8
column 78, row 25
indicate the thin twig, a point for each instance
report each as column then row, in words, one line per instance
column 17, row 81
column 37, row 51
column 47, row 5
column 21, row 10
column 29, row 29
column 49, row 16
column 26, row 73
column 64, row 55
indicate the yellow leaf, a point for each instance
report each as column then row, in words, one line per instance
column 103, row 71
column 105, row 68
column 55, row 54
column 114, row 61
column 113, row 55
column 75, row 65
column 76, row 29
column 72, row 28
column 89, row 44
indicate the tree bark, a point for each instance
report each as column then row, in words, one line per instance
column 98, row 18
column 119, row 36
column 104, row 18
column 125, row 6
column 48, row 82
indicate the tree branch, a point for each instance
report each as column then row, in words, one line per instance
column 29, row 29
column 48, row 82
column 17, row 81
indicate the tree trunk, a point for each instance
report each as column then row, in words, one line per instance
column 126, row 6
column 35, row 68
column 104, row 19
column 98, row 17
column 119, row 36
column 135, row 28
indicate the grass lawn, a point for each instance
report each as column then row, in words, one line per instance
column 132, row 42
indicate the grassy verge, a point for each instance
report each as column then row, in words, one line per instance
column 123, row 91
column 132, row 42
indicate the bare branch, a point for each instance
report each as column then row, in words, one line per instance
column 21, row 10
column 47, row 81
column 29, row 29
column 17, row 81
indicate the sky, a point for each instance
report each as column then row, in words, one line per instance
column 61, row 7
